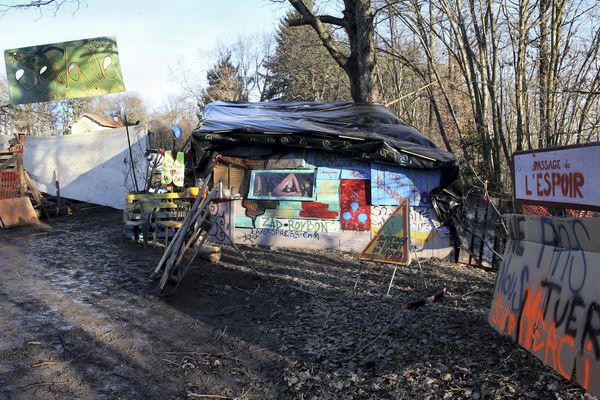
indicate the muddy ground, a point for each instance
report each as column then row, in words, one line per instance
column 79, row 319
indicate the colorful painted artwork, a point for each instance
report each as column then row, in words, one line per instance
column 390, row 185
column 315, row 209
column 282, row 184
column 173, row 169
column 328, row 191
column 392, row 243
column 327, row 173
column 178, row 171
column 79, row 68
column 357, row 172
column 354, row 207
column 254, row 208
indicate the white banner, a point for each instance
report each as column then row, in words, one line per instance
column 94, row 167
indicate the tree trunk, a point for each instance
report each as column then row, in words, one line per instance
column 361, row 64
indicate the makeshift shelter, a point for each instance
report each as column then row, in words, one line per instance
column 321, row 175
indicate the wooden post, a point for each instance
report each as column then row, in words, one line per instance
column 56, row 182
column 20, row 167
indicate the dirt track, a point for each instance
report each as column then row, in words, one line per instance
column 80, row 320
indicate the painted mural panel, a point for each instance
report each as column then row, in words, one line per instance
column 390, row 184
column 291, row 184
column 354, row 208
column 328, row 192
column 315, row 209
column 425, row 227
column 360, row 171
column 546, row 295
column 328, row 173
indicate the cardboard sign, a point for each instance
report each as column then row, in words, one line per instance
column 178, row 170
column 546, row 296
column 391, row 244
column 78, row 68
column 559, row 177
column 167, row 168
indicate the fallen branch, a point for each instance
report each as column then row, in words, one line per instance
column 64, row 346
column 303, row 290
column 438, row 294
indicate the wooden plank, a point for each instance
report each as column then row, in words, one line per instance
column 233, row 179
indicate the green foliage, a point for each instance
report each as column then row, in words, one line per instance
column 225, row 81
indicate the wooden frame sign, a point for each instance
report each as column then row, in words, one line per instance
column 564, row 177
column 391, row 244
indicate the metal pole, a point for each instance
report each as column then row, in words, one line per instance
column 137, row 189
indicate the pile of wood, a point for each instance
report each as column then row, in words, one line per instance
column 187, row 245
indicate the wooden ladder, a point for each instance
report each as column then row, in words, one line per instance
column 193, row 233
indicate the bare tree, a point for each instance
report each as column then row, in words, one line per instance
column 358, row 59
column 53, row 5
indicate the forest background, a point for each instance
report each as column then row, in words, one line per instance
column 480, row 78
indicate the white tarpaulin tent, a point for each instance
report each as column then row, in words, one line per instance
column 94, row 167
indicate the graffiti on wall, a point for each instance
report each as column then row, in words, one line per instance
column 255, row 236
column 328, row 173
column 424, row 223
column 425, row 226
column 354, row 208
column 546, row 295
column 221, row 227
column 298, row 225
column 390, row 185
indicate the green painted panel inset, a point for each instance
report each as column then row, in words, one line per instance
column 328, row 191
column 242, row 221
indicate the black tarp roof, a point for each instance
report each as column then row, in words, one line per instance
column 367, row 132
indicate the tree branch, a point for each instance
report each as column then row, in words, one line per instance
column 326, row 19
column 311, row 19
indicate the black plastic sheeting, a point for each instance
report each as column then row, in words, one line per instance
column 366, row 132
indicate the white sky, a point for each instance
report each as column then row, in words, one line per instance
column 152, row 35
